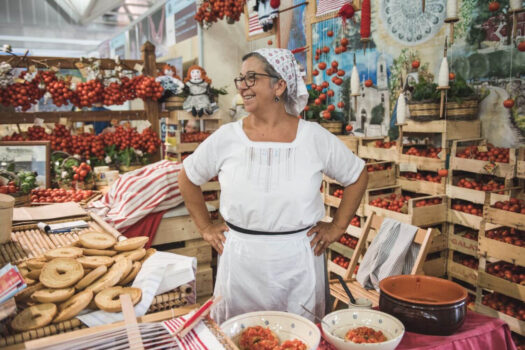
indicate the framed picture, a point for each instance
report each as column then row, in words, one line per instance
column 28, row 155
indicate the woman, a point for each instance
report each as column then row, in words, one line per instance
column 270, row 167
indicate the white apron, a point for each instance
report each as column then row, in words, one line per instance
column 269, row 272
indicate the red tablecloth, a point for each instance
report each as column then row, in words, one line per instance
column 478, row 332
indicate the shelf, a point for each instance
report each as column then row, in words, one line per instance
column 500, row 250
column 421, row 186
column 81, row 116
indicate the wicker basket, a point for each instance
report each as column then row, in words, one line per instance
column 27, row 241
column 426, row 110
column 174, row 102
column 335, row 127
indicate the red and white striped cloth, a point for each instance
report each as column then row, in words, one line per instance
column 254, row 27
column 328, row 6
column 199, row 338
column 138, row 193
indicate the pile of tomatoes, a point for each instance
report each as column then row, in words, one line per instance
column 11, row 187
column 393, row 202
column 81, row 172
column 422, row 176
column 356, row 221
column 212, row 10
column 514, row 204
column 381, row 144
column 341, row 261
column 490, row 185
column 59, row 195
column 194, row 136
column 510, row 272
column 430, row 152
column 427, row 202
column 508, row 235
column 467, row 207
column 491, row 154
column 471, row 234
column 466, row 260
column 348, row 241
column 378, row 167
column 338, row 193
column 507, row 305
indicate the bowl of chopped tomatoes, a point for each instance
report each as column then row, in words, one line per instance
column 362, row 329
column 272, row 330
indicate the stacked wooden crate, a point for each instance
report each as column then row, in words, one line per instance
column 501, row 289
column 423, row 151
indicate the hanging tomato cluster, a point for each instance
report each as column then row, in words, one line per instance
column 212, row 10
column 86, row 94
column 89, row 145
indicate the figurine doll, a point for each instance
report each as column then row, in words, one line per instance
column 170, row 81
column 197, row 84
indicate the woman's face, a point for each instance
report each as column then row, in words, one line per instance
column 261, row 93
column 196, row 75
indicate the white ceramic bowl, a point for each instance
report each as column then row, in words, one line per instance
column 285, row 325
column 337, row 324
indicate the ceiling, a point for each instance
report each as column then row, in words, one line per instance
column 66, row 27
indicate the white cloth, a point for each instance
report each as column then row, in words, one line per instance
column 391, row 253
column 161, row 273
column 272, row 186
column 269, row 272
column 285, row 64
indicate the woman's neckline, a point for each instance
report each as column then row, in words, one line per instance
column 245, row 137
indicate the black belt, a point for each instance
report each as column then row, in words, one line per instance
column 252, row 232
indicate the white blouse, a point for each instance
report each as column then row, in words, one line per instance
column 272, row 186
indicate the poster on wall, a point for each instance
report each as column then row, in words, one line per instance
column 368, row 113
column 180, row 24
column 292, row 30
column 253, row 28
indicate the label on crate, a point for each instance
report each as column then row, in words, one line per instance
column 483, row 148
column 38, row 122
column 408, row 167
column 490, row 167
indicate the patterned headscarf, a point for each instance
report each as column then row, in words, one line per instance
column 283, row 61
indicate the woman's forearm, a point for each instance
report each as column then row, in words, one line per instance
column 194, row 201
column 351, row 200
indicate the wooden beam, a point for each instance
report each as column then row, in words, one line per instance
column 152, row 108
column 65, row 62
column 83, row 116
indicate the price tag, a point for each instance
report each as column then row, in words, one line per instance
column 39, row 122
column 490, row 167
column 483, row 148
column 63, row 121
column 55, row 69
column 408, row 167
column 32, row 69
column 88, row 128
column 138, row 67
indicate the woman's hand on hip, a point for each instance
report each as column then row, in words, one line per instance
column 325, row 234
column 214, row 235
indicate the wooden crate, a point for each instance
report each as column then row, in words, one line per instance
column 342, row 249
column 505, row 170
column 421, row 186
column 417, row 216
column 515, row 325
column 424, row 163
column 461, row 272
column 352, row 142
column 176, row 229
column 367, row 150
column 197, row 248
column 333, row 267
column 502, row 286
column 472, row 195
column 435, row 267
column 459, row 243
column 450, row 129
column 500, row 250
column 352, row 230
column 439, row 242
column 204, row 280
column 520, row 163
column 381, row 178
column 332, row 201
column 503, row 217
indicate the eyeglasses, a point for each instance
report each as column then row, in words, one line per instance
column 249, row 79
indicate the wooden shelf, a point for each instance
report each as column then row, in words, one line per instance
column 500, row 250
column 501, row 285
column 422, row 186
column 81, row 116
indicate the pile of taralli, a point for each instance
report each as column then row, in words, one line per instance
column 67, row 280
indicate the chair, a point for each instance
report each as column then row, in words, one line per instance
column 422, row 237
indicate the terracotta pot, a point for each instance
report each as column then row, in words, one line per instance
column 425, row 304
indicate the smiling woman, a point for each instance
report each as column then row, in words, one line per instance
column 270, row 167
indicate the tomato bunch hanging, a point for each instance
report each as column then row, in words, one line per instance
column 147, row 88
column 212, row 10
column 89, row 93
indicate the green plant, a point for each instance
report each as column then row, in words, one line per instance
column 425, row 91
column 459, row 89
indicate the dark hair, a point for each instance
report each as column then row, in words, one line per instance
column 268, row 69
